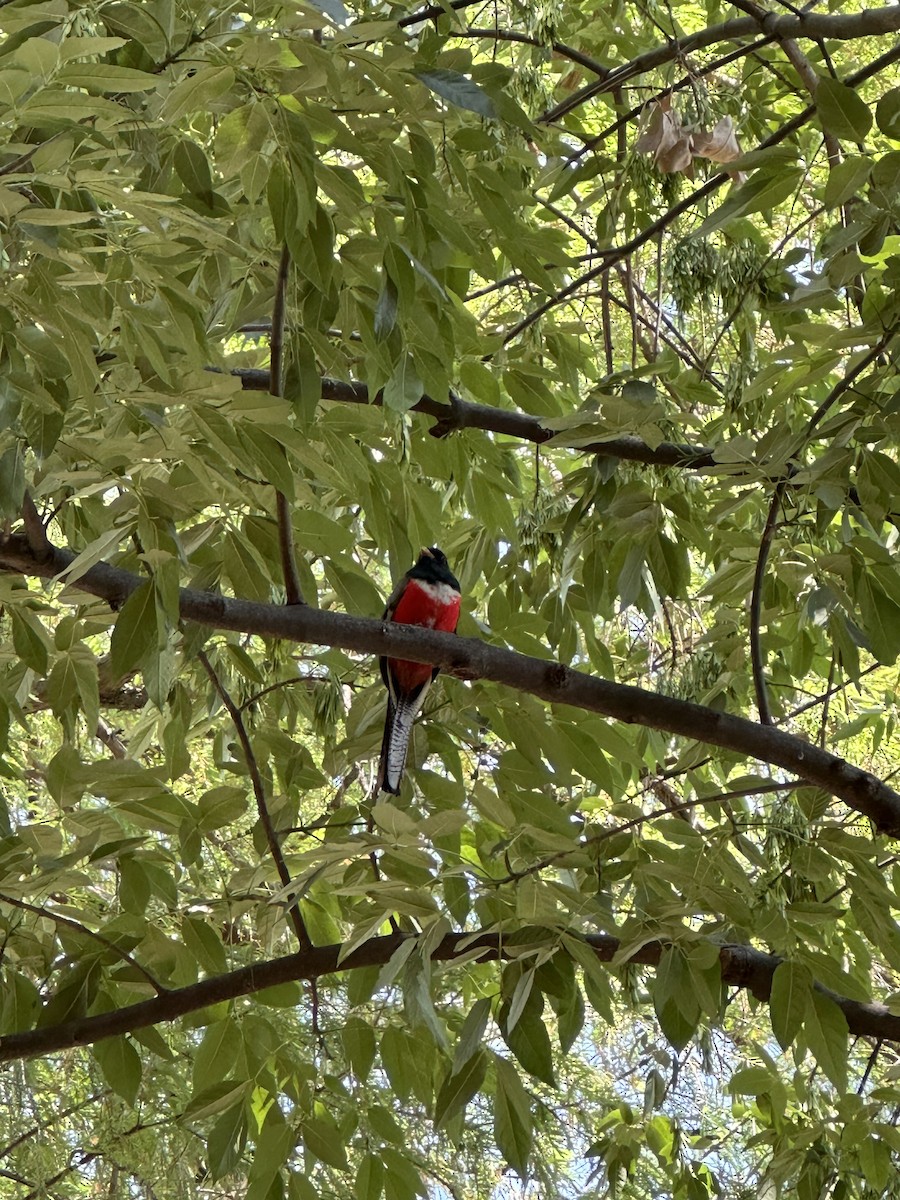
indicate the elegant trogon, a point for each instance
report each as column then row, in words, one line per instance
column 427, row 595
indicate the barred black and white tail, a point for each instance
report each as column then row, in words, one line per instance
column 397, row 731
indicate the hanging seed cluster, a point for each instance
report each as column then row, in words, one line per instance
column 741, row 266
column 692, row 268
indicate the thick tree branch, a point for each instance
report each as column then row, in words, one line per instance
column 472, row 659
column 741, row 966
column 459, row 414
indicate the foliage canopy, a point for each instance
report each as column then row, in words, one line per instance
column 603, row 299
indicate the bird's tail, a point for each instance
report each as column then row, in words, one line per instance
column 395, row 744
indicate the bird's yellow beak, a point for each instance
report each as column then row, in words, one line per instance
column 426, row 551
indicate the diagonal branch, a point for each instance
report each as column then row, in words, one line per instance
column 741, row 966
column 67, row 922
column 471, row 659
column 765, row 545
column 259, row 791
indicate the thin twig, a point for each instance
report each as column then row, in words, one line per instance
column 839, row 687
column 77, row 927
column 292, row 589
column 60, row 1116
column 759, row 575
column 259, row 792
column 756, row 656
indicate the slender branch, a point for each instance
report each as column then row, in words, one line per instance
column 432, row 11
column 604, row 835
column 34, row 528
column 559, row 48
column 848, row 380
column 110, row 739
column 759, row 575
column 801, row 65
column 39, row 1128
column 292, row 589
column 77, row 927
column 471, row 659
column 259, row 791
column 741, row 966
column 612, row 258
column 686, row 81
column 825, row 696
column 765, row 545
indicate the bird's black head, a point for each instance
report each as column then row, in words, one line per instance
column 432, row 566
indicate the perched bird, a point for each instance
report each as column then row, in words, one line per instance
column 427, row 595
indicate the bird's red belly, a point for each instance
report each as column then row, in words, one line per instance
column 431, row 608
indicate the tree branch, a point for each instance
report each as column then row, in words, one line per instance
column 457, row 414
column 765, row 545
column 741, row 966
column 259, row 791
column 58, row 919
column 559, row 48
column 472, row 659
column 292, row 589
column 757, row 661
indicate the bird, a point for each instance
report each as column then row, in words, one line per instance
column 428, row 595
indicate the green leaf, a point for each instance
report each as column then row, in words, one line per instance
column 226, row 1141
column 887, row 114
column 193, row 170
column 322, row 1138
column 120, row 1065
column 135, row 632
column 530, row 1042
column 12, row 481
column 472, row 1032
column 825, row 1028
column 99, row 78
column 459, row 1087
column 217, row 1055
column 880, row 617
column 404, row 388
column 196, row 92
column 30, row 639
column 846, row 180
column 789, row 1000
column 512, row 1116
column 763, row 191
column 458, row 90
column 751, row 1081
column 358, row 1038
column 369, row 1177
column 842, row 111
column 675, row 997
